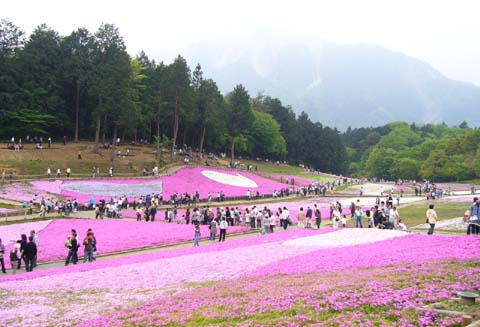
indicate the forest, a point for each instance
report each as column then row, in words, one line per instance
column 86, row 86
column 398, row 150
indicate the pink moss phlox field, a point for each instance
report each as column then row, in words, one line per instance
column 25, row 192
column 52, row 186
column 143, row 258
column 192, row 180
column 114, row 235
column 384, row 296
column 11, row 233
column 184, row 180
column 263, row 258
column 413, row 248
column 299, row 181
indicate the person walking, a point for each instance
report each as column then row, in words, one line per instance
column 358, row 217
column 23, row 245
column 286, row 218
column 301, row 218
column 431, row 218
column 153, row 212
column 223, row 230
column 15, row 257
column 30, row 254
column 36, row 241
column 2, row 253
column 196, row 230
column 266, row 222
column 336, row 218
column 473, row 218
column 318, row 217
column 72, row 245
column 89, row 246
column 213, row 230
column 309, row 216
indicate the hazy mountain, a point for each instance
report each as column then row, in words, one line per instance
column 341, row 85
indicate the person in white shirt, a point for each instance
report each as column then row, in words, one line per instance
column 335, row 218
column 266, row 222
column 69, row 171
column 401, row 225
column 273, row 222
column 223, row 230
column 285, row 217
column 49, row 172
column 394, row 216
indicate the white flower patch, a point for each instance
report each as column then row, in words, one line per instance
column 228, row 179
column 346, row 237
column 113, row 189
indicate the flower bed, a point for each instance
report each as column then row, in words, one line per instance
column 114, row 235
column 205, row 180
column 140, row 259
column 24, row 192
column 68, row 295
column 413, row 248
column 381, row 296
column 11, row 233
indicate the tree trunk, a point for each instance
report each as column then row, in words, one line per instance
column 135, row 131
column 97, row 135
column 184, row 136
column 232, row 156
column 202, row 139
column 77, row 110
column 124, row 132
column 104, row 128
column 158, row 120
column 112, row 155
column 175, row 123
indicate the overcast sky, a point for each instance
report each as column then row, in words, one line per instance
column 445, row 34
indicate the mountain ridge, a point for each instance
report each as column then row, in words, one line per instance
column 341, row 85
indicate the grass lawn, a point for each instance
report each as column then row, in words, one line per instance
column 282, row 169
column 414, row 214
column 8, row 206
column 35, row 162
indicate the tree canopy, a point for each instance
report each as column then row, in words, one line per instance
column 85, row 85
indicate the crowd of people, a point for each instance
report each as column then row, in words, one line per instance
column 25, row 249
column 49, row 205
column 73, row 244
column 384, row 215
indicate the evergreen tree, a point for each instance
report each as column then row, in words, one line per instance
column 239, row 116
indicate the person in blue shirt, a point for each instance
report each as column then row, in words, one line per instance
column 473, row 223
